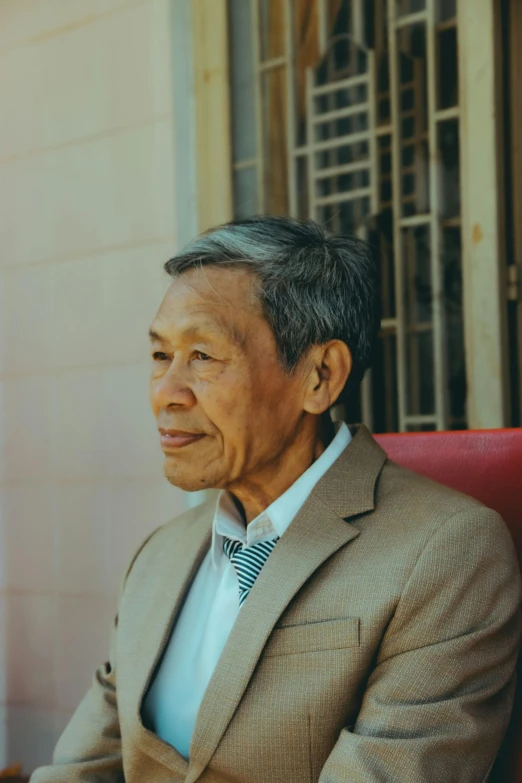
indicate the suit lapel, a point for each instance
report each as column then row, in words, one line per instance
column 315, row 534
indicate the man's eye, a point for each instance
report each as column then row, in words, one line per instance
column 159, row 356
column 203, row 357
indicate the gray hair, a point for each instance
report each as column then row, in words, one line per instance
column 313, row 287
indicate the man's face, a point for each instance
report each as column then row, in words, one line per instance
column 225, row 406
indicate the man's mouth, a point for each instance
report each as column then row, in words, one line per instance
column 175, row 439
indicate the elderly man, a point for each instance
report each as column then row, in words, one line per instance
column 331, row 617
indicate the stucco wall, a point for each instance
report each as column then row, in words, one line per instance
column 87, row 216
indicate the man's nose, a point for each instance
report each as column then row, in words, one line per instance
column 171, row 389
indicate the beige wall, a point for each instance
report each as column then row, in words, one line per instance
column 87, row 216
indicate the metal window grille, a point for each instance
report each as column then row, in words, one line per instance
column 365, row 140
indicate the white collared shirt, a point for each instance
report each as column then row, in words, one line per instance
column 212, row 605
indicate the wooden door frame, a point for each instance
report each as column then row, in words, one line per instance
column 201, row 105
column 483, row 266
column 212, row 107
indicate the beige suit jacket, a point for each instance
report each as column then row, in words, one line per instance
column 378, row 644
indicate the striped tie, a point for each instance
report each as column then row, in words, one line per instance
column 247, row 561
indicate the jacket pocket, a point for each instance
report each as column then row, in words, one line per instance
column 311, row 637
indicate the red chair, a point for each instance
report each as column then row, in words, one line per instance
column 486, row 464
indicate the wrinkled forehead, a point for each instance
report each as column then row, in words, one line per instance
column 221, row 300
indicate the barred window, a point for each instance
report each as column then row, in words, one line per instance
column 348, row 112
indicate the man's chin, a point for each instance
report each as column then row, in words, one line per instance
column 185, row 480
column 186, row 485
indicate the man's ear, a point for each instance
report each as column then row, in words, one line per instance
column 330, row 366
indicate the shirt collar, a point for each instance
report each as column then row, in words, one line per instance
column 273, row 522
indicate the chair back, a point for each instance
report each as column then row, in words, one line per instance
column 486, row 464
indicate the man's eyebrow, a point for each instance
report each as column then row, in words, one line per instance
column 155, row 336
